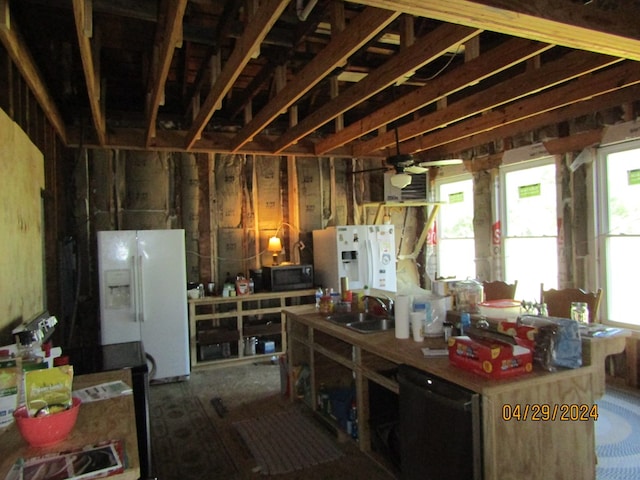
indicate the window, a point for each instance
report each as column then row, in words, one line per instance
column 529, row 226
column 456, row 247
column 619, row 230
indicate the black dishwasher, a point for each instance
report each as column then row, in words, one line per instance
column 440, row 428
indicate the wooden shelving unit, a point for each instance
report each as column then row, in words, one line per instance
column 218, row 326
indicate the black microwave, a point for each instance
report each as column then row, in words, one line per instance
column 279, row 278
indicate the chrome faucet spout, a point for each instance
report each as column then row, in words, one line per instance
column 385, row 303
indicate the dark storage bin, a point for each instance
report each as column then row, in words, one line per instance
column 341, row 399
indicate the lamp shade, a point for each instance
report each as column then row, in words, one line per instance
column 400, row 180
column 275, row 245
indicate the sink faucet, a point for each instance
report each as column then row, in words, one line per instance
column 385, row 303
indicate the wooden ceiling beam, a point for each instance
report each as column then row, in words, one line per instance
column 578, row 25
column 551, row 117
column 496, row 60
column 21, row 57
column 406, row 61
column 577, row 91
column 167, row 40
column 361, row 30
column 572, row 65
column 260, row 24
column 121, row 138
column 82, row 15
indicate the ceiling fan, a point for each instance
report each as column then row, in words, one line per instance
column 406, row 165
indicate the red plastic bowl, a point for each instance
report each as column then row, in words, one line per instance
column 49, row 429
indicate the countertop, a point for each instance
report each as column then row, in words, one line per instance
column 408, row 351
column 112, row 419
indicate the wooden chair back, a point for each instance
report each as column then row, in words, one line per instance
column 559, row 301
column 499, row 290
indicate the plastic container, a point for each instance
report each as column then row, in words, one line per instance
column 501, row 309
column 469, row 294
column 49, row 429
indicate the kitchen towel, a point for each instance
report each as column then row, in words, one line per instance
column 402, row 316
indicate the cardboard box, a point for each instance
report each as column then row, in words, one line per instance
column 491, row 359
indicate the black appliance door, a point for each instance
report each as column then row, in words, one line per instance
column 440, row 428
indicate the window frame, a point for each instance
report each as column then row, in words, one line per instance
column 601, row 224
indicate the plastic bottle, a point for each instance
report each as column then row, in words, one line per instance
column 323, row 400
column 352, row 422
column 465, row 322
column 318, row 297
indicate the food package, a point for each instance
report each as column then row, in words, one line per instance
column 9, row 381
column 491, row 359
column 557, row 341
column 48, row 390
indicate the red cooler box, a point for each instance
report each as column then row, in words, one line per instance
column 491, row 359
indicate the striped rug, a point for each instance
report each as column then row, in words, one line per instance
column 286, row 441
column 618, row 435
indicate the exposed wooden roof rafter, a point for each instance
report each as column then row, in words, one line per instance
column 167, row 42
column 21, row 56
column 256, row 30
column 409, row 59
column 572, row 65
column 82, row 15
column 364, row 27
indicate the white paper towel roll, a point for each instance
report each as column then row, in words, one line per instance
column 402, row 316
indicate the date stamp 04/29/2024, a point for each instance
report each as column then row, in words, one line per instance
column 548, row 412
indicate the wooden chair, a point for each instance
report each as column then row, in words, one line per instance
column 559, row 301
column 499, row 290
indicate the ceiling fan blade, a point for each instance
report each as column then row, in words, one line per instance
column 376, row 169
column 441, row 163
column 416, row 169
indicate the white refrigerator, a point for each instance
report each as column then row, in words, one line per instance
column 365, row 254
column 142, row 277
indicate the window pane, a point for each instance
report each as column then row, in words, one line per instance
column 457, row 258
column 623, row 187
column 623, row 263
column 619, row 228
column 529, row 269
column 456, row 217
column 529, row 227
column 455, row 243
column 530, row 196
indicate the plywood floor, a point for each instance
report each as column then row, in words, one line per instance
column 252, row 390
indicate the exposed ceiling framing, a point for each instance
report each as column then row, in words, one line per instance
column 255, row 77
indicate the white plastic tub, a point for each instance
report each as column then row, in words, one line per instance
column 500, row 309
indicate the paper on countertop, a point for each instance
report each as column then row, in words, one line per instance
column 435, row 352
column 103, row 391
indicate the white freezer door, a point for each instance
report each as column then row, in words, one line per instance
column 163, row 299
column 381, row 248
column 119, row 307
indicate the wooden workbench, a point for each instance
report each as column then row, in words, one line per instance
column 112, row 419
column 533, row 448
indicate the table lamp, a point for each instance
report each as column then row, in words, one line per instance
column 275, row 246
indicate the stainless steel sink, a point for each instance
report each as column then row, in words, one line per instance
column 370, row 326
column 362, row 322
column 344, row 318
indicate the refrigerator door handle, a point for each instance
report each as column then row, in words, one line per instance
column 140, row 284
column 370, row 273
column 134, row 269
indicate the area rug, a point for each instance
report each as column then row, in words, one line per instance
column 286, row 441
column 618, row 435
column 185, row 444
